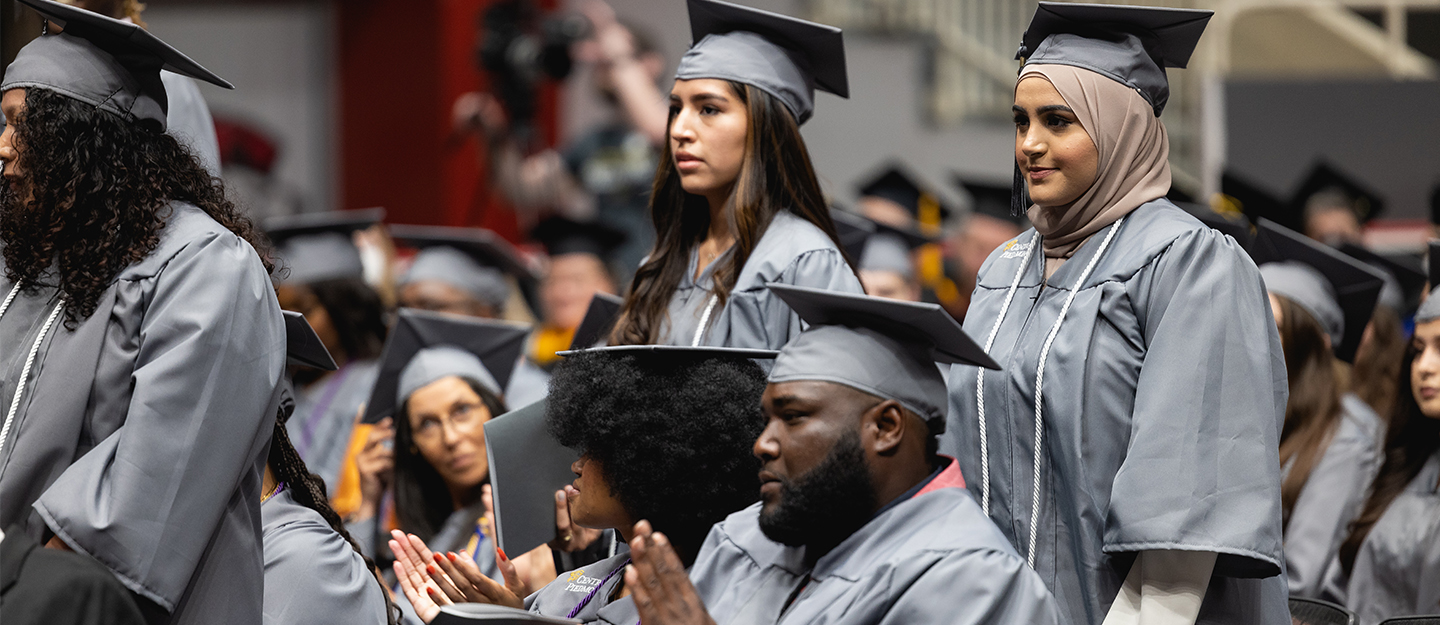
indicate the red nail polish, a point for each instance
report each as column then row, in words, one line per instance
column 502, row 554
column 437, row 557
column 452, row 556
column 430, row 568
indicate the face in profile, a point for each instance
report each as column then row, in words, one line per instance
column 13, row 105
column 592, row 503
column 708, row 128
column 1425, row 369
column 1054, row 153
column 447, row 419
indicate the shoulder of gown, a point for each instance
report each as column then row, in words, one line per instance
column 790, row 240
column 562, row 596
column 311, row 573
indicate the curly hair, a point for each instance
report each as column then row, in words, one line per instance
column 95, row 193
column 674, row 435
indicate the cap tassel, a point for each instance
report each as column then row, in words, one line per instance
column 1019, row 194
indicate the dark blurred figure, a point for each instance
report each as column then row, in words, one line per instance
column 988, row 226
column 1335, row 206
column 605, row 173
column 45, row 586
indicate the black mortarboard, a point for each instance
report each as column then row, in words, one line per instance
column 1407, row 277
column 320, row 246
column 496, row 344
column 566, row 236
column 599, row 319
column 991, row 199
column 895, row 183
column 1430, row 308
column 1129, row 44
column 107, row 63
column 471, row 259
column 1249, row 199
column 1353, row 285
column 785, row 57
column 303, row 346
column 853, row 231
column 1235, row 225
column 1353, row 194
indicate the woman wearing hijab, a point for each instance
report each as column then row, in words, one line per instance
column 1389, row 565
column 736, row 203
column 1127, row 446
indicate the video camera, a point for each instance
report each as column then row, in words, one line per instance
column 520, row 46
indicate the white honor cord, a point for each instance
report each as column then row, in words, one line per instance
column 980, row 379
column 4, row 306
column 29, row 363
column 1040, row 379
column 704, row 321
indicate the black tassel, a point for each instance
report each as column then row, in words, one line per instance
column 1019, row 194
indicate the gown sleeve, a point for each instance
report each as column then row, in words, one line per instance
column 147, row 500
column 761, row 320
column 1200, row 471
column 998, row 588
column 313, row 576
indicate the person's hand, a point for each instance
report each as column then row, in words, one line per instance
column 657, row 581
column 376, row 464
column 415, row 581
column 614, row 42
column 478, row 112
column 462, row 581
column 570, row 537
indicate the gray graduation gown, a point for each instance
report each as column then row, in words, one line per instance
column 792, row 251
column 188, row 120
column 1397, row 569
column 311, row 574
column 325, row 414
column 591, row 586
column 141, row 436
column 933, row 558
column 528, row 384
column 1332, row 497
column 1165, row 392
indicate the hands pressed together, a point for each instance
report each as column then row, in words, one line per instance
column 431, row 580
column 658, row 582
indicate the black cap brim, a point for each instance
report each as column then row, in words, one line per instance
column 599, row 319
column 1169, row 34
column 303, row 346
column 342, row 222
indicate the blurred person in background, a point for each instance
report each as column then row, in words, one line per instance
column 1335, row 206
column 887, row 267
column 736, row 203
column 989, row 225
column 322, row 277
column 605, row 173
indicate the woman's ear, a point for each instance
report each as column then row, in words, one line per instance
column 886, row 420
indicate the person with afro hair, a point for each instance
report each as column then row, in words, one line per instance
column 664, row 435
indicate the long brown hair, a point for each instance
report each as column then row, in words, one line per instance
column 1376, row 375
column 1313, row 411
column 776, row 175
column 1410, row 439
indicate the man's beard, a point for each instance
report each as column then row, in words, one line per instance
column 828, row 503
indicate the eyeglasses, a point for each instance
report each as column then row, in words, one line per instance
column 464, row 417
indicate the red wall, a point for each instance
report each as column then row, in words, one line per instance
column 402, row 64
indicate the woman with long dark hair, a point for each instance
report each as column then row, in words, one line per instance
column 736, row 203
column 1330, row 442
column 141, row 346
column 1389, row 565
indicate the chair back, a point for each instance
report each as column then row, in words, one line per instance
column 1317, row 612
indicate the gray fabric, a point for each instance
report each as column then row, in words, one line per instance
column 442, row 361
column 311, row 574
column 190, row 121
column 143, row 433
column 868, row 361
column 324, row 417
column 1165, row 395
column 1307, row 288
column 312, row 258
column 1122, row 59
column 1397, row 569
column 79, row 69
column 1429, row 309
column 751, row 59
column 569, row 590
column 529, row 384
column 888, row 252
column 932, row 559
column 792, row 251
column 458, row 269
column 1332, row 497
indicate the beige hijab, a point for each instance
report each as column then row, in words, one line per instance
column 1134, row 163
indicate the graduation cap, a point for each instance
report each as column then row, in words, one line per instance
column 562, row 236
column 599, row 319
column 1339, row 291
column 486, row 614
column 886, row 348
column 426, row 346
column 1351, row 193
column 1430, row 308
column 303, row 346
column 1129, row 44
column 991, row 199
column 1235, row 225
column 853, row 231
column 473, row 260
column 107, row 63
column 889, row 249
column 785, row 57
column 1241, row 195
column 320, row 246
column 1403, row 283
column 895, row 183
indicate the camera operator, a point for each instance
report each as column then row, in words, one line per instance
column 605, row 173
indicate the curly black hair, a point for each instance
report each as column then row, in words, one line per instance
column 95, row 193
column 674, row 435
